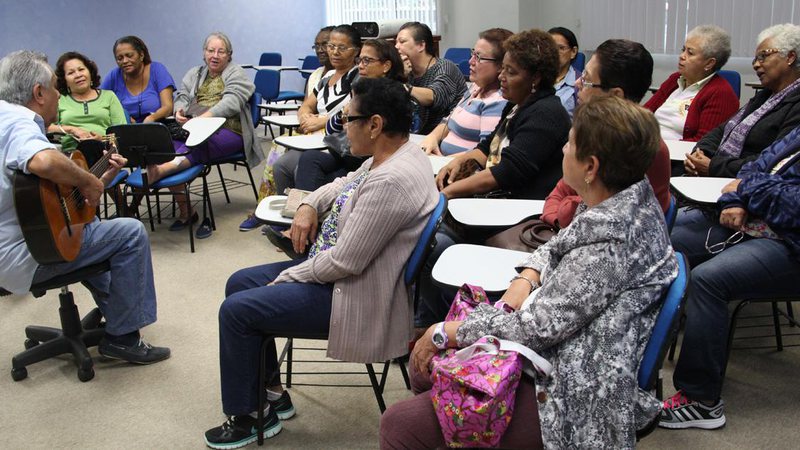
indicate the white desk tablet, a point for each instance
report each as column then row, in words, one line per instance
column 269, row 210
column 488, row 267
column 493, row 212
column 679, row 149
column 302, row 142
column 700, row 189
column 437, row 162
column 201, row 128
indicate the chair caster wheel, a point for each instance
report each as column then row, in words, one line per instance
column 19, row 374
column 85, row 375
column 30, row 343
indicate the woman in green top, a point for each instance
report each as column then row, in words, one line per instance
column 84, row 111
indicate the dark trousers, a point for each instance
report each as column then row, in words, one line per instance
column 316, row 169
column 250, row 310
column 753, row 268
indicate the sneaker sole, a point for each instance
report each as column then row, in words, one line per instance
column 706, row 424
column 268, row 433
column 285, row 415
column 141, row 363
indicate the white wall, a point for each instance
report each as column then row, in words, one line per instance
column 461, row 20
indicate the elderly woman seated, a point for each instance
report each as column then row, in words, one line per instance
column 215, row 89
column 750, row 250
column 771, row 114
column 351, row 284
column 565, row 87
column 695, row 99
column 596, row 288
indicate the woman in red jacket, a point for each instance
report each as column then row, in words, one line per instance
column 695, row 99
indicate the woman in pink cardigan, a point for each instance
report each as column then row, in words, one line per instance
column 695, row 99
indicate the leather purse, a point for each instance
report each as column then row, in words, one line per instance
column 524, row 237
column 294, row 198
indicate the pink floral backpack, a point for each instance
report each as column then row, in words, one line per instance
column 474, row 388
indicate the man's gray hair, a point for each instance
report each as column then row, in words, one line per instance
column 786, row 37
column 20, row 71
column 716, row 43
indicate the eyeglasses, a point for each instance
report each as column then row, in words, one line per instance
column 735, row 238
column 480, row 58
column 366, row 60
column 339, row 48
column 218, row 52
column 563, row 48
column 347, row 118
column 589, row 84
column 763, row 54
column 320, row 46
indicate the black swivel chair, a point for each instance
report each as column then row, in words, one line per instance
column 75, row 335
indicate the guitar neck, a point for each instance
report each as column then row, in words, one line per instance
column 100, row 167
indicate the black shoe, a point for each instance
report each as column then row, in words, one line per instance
column 140, row 353
column 239, row 431
column 179, row 224
column 282, row 242
column 283, row 406
column 204, row 230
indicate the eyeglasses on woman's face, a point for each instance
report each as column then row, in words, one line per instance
column 217, row 52
column 764, row 54
column 366, row 60
column 338, row 48
column 480, row 58
column 321, row 46
column 347, row 118
column 588, row 84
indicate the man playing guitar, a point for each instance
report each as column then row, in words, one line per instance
column 126, row 294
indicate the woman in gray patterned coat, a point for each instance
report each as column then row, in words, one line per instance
column 586, row 301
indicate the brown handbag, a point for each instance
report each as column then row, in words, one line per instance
column 524, row 237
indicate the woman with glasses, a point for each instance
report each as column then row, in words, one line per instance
column 767, row 117
column 567, row 45
column 478, row 113
column 749, row 250
column 214, row 89
column 320, row 48
column 695, row 99
column 351, row 284
column 143, row 86
column 435, row 84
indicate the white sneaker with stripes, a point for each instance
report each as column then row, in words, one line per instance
column 680, row 412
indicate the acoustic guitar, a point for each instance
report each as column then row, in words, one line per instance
column 52, row 216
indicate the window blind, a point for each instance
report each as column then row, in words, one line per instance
column 349, row 11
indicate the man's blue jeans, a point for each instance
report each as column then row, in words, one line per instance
column 753, row 268
column 250, row 310
column 125, row 295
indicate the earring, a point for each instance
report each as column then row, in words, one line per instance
column 533, row 88
column 587, row 181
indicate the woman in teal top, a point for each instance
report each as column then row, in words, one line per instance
column 84, row 111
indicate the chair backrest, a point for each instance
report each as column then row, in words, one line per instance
column 270, row 59
column 735, row 80
column 255, row 111
column 268, row 84
column 310, row 62
column 672, row 213
column 579, row 62
column 463, row 66
column 665, row 327
column 458, row 54
column 426, row 241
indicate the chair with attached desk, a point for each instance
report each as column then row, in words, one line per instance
column 151, row 143
column 735, row 79
column 270, row 59
column 75, row 335
column 411, row 273
column 268, row 85
column 310, row 62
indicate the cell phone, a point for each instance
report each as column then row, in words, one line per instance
column 188, row 116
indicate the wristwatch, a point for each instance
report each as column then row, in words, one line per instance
column 439, row 336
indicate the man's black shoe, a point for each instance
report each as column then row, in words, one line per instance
column 140, row 353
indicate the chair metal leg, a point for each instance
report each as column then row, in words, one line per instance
column 191, row 224
column 252, row 181
column 150, row 212
column 376, row 388
column 262, row 394
column 224, row 186
column 776, row 322
column 288, row 350
column 402, row 363
column 731, row 330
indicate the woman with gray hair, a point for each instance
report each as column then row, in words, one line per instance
column 214, row 89
column 770, row 115
column 695, row 99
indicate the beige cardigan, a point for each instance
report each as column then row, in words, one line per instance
column 372, row 315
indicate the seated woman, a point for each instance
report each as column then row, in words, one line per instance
column 695, row 99
column 327, row 98
column 84, row 111
column 215, row 89
column 749, row 251
column 320, row 48
column 478, row 113
column 771, row 114
column 622, row 68
column 567, row 45
column 523, row 154
column 354, row 271
column 435, row 84
column 143, row 86
column 378, row 59
column 596, row 289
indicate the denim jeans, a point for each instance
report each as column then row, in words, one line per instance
column 251, row 309
column 752, row 268
column 125, row 295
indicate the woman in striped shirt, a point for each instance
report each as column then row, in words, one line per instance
column 479, row 111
